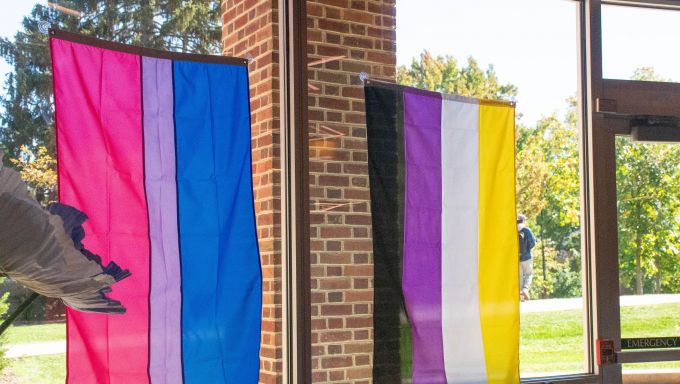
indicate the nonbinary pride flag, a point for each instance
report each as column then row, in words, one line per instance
column 155, row 148
column 442, row 177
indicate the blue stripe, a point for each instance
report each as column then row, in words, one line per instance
column 221, row 277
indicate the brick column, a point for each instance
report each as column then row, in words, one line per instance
column 363, row 31
column 250, row 29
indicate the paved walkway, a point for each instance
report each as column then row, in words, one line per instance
column 577, row 303
column 36, row 349
column 57, row 347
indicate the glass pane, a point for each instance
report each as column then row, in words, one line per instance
column 36, row 342
column 448, row 53
column 648, row 195
column 547, row 145
column 635, row 43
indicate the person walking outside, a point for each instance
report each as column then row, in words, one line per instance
column 526, row 242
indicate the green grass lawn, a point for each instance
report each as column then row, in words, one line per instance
column 23, row 334
column 549, row 342
column 552, row 342
column 46, row 369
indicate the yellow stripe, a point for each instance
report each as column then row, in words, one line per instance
column 498, row 244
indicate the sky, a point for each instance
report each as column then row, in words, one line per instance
column 11, row 14
column 531, row 43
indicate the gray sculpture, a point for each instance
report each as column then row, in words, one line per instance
column 42, row 250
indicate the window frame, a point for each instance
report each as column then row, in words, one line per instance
column 598, row 189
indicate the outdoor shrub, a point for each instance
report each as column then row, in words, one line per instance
column 567, row 283
column 4, row 307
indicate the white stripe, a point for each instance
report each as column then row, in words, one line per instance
column 461, row 327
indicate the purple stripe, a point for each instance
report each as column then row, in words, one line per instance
column 422, row 234
column 165, row 365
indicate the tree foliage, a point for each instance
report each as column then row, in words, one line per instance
column 4, row 307
column 648, row 185
column 444, row 74
column 37, row 169
column 548, row 194
column 27, row 103
column 648, row 188
column 547, row 161
column 547, row 164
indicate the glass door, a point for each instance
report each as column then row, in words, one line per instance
column 633, row 195
column 648, row 216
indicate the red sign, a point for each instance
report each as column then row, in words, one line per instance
column 605, row 352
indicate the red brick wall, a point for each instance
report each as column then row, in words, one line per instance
column 342, row 271
column 342, row 267
column 249, row 29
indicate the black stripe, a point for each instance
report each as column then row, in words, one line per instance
column 384, row 120
column 179, row 237
column 148, row 220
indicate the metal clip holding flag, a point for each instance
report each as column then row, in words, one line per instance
column 363, row 76
column 44, row 25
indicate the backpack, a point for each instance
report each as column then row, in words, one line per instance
column 523, row 242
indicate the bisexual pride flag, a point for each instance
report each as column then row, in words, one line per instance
column 155, row 148
column 442, row 178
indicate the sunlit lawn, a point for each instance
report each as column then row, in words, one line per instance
column 45, row 369
column 552, row 342
column 24, row 334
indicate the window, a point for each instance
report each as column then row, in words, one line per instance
column 523, row 51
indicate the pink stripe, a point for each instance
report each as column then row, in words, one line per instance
column 100, row 150
column 161, row 190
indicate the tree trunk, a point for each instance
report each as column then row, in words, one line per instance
column 146, row 23
column 657, row 278
column 638, row 249
column 638, row 266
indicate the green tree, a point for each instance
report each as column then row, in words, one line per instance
column 648, row 189
column 647, row 74
column 26, row 107
column 547, row 158
column 444, row 74
column 547, row 177
column 27, row 104
column 547, row 168
column 37, row 170
column 4, row 307
column 648, row 181
column 548, row 194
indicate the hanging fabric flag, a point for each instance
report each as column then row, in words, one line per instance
column 42, row 250
column 155, row 148
column 442, row 178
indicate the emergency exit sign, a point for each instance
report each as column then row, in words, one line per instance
column 650, row 343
